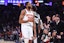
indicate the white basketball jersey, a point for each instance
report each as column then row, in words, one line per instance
column 28, row 14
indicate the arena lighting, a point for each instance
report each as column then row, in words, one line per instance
column 43, row 2
column 5, row 2
column 40, row 1
column 23, row 1
column 48, row 4
column 1, row 2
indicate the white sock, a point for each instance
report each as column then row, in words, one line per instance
column 26, row 40
column 35, row 40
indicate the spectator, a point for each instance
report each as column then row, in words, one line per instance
column 45, row 37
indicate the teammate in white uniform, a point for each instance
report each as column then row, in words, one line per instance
column 26, row 20
column 39, row 24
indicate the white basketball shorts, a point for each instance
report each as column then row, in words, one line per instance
column 27, row 31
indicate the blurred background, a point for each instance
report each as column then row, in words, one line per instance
column 10, row 11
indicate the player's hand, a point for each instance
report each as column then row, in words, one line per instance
column 20, row 34
column 30, row 19
column 58, row 36
column 34, row 37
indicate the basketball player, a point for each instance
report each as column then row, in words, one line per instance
column 39, row 24
column 26, row 20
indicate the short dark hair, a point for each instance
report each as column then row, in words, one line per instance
column 34, row 8
column 26, row 3
column 58, row 15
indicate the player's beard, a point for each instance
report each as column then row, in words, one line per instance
column 29, row 7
